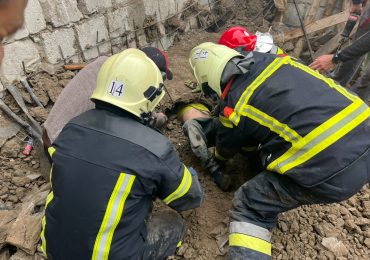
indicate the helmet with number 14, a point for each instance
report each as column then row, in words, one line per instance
column 131, row 81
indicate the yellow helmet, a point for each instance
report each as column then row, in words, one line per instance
column 208, row 61
column 131, row 81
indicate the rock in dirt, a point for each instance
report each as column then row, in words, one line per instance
column 335, row 246
column 39, row 113
column 367, row 242
column 54, row 92
column 20, row 181
column 11, row 148
column 20, row 255
column 8, row 129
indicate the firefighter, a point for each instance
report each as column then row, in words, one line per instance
column 108, row 166
column 311, row 133
column 242, row 40
column 199, row 129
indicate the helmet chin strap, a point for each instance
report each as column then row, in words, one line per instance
column 237, row 66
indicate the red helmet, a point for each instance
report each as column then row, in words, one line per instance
column 237, row 37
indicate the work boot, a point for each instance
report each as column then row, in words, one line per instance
column 223, row 181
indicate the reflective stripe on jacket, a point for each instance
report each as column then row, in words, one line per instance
column 308, row 126
column 107, row 168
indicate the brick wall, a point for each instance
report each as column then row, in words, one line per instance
column 60, row 31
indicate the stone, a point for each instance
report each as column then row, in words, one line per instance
column 15, row 53
column 92, row 6
column 367, row 242
column 20, row 181
column 8, row 128
column 90, row 34
column 335, row 246
column 61, row 12
column 59, row 44
column 11, row 148
column 39, row 113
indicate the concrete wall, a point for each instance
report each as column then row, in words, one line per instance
column 291, row 17
column 59, row 31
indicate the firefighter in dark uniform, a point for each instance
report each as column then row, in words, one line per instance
column 312, row 136
column 108, row 166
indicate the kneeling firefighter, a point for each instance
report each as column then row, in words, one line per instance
column 312, row 136
column 108, row 166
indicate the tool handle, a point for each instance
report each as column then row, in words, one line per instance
column 350, row 24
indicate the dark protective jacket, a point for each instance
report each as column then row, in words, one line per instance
column 305, row 125
column 107, row 169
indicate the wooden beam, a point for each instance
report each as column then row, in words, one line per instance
column 313, row 27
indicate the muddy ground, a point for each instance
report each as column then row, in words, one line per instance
column 336, row 231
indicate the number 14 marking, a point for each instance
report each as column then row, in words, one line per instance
column 116, row 88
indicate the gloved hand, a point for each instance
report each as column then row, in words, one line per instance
column 223, row 181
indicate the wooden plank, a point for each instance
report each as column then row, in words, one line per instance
column 313, row 27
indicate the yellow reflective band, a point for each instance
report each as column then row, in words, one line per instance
column 49, row 198
column 250, row 242
column 225, row 122
column 182, row 189
column 275, row 65
column 330, row 82
column 279, row 51
column 322, row 137
column 179, row 244
column 273, row 124
column 51, row 151
column 234, row 118
column 112, row 216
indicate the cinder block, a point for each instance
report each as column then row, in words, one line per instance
column 34, row 21
column 151, row 7
column 291, row 16
column 118, row 22
column 60, row 12
column 34, row 18
column 92, row 6
column 65, row 38
column 16, row 53
column 91, row 33
column 167, row 8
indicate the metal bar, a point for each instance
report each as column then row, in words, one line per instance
column 304, row 30
column 19, row 120
column 27, row 86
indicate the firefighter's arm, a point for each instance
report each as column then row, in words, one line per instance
column 179, row 187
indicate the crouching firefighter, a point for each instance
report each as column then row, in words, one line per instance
column 312, row 136
column 108, row 166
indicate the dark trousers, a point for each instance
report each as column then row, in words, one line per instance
column 165, row 231
column 258, row 202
